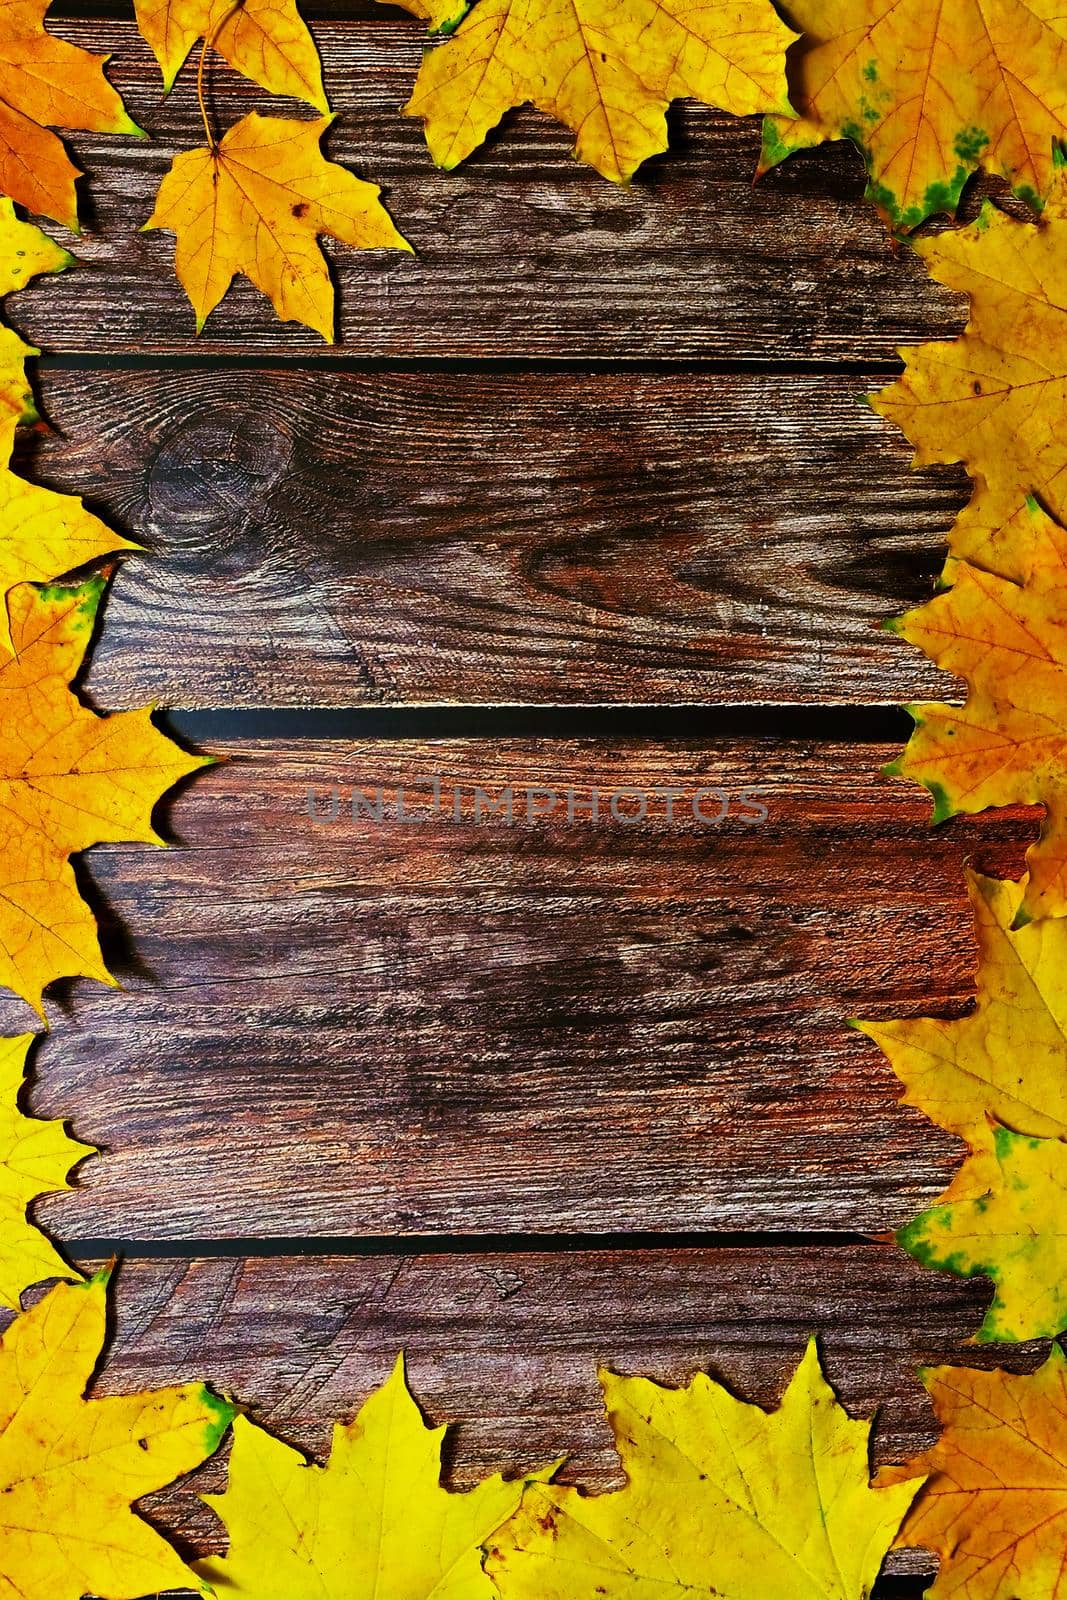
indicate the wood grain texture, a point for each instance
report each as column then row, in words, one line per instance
column 505, row 1346
column 341, row 539
column 341, row 1029
column 521, row 253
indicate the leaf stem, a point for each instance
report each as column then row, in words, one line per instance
column 211, row 39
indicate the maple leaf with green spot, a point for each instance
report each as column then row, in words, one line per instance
column 929, row 93
column 1004, row 1218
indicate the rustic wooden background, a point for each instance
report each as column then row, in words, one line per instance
column 585, row 496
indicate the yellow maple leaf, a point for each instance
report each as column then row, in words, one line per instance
column 46, row 83
column 71, row 1468
column 35, row 1158
column 266, row 40
column 256, row 203
column 929, row 93
column 721, row 1498
column 69, row 779
column 25, row 252
column 994, row 399
column 43, row 534
column 994, row 1508
column 440, row 16
column 1008, row 744
column 1008, row 1058
column 607, row 69
column 1003, row 1218
column 374, row 1519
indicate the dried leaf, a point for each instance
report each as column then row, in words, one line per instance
column 71, row 1468
column 1008, row 744
column 35, row 1158
column 1004, row 1218
column 994, row 399
column 257, row 204
column 994, row 1509
column 929, row 93
column 721, row 1499
column 46, row 83
column 68, row 779
column 608, row 69
column 1007, row 1060
column 374, row 1520
column 266, row 40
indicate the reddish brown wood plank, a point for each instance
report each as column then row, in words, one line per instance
column 521, row 252
column 340, row 1029
column 506, row 1346
column 331, row 539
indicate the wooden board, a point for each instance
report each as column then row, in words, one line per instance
column 343, row 1029
column 506, row 1345
column 522, row 253
column 343, row 539
column 496, row 1091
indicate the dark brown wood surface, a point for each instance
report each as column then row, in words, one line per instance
column 432, row 1027
column 518, row 1097
column 342, row 539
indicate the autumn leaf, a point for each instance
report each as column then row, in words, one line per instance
column 43, row 535
column 46, row 83
column 995, row 398
column 265, row 40
column 71, row 1468
column 25, row 252
column 608, row 69
column 1004, row 1218
column 722, row 1498
column 256, row 204
column 68, row 779
column 374, row 1519
column 929, row 93
column 439, row 15
column 35, row 1158
column 1008, row 1058
column 1008, row 744
column 994, row 1509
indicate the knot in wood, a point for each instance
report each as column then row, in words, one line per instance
column 212, row 477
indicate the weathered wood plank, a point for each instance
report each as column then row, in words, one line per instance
column 507, row 1345
column 337, row 539
column 479, row 1027
column 521, row 253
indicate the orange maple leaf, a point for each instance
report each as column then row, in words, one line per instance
column 46, row 83
column 1008, row 744
column 995, row 398
column 256, row 203
column 608, row 69
column 929, row 93
column 266, row 40
column 995, row 1504
column 69, row 779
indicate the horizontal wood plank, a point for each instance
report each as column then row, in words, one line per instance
column 476, row 1026
column 339, row 539
column 506, row 1346
column 522, row 253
